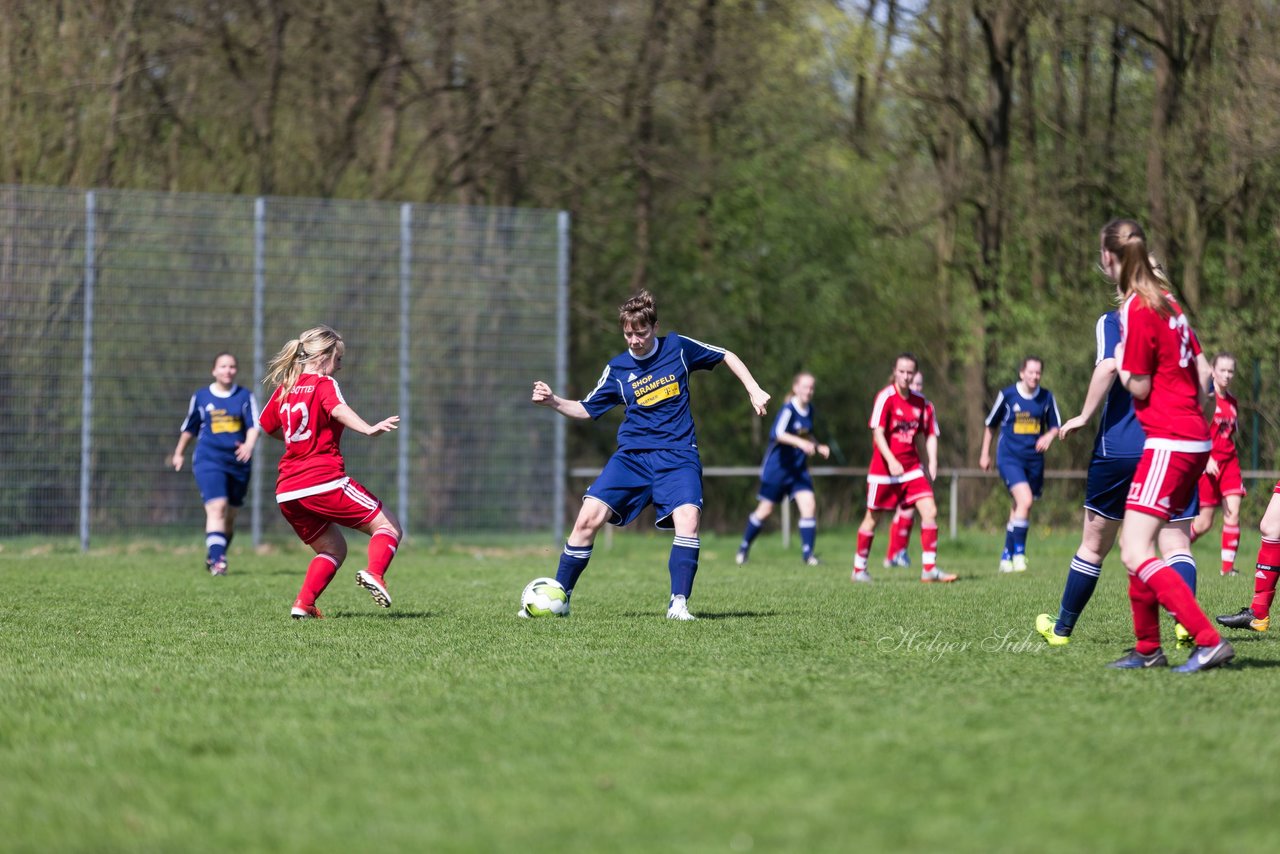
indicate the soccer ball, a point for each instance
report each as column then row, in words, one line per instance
column 544, row 597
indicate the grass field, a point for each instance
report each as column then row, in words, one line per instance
column 147, row 706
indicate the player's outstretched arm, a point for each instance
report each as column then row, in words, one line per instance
column 1104, row 373
column 184, row 438
column 244, row 451
column 353, row 421
column 759, row 397
column 543, row 396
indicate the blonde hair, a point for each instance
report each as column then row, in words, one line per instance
column 1125, row 239
column 318, row 343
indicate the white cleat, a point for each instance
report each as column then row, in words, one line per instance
column 679, row 609
column 1019, row 563
column 740, row 558
column 861, row 575
column 1006, row 566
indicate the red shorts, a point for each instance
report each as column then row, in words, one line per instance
column 1165, row 480
column 885, row 492
column 350, row 505
column 1213, row 488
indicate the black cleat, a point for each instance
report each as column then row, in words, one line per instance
column 1134, row 660
column 1240, row 620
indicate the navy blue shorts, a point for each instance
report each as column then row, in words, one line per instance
column 777, row 485
column 1015, row 471
column 632, row 480
column 1106, row 488
column 222, row 482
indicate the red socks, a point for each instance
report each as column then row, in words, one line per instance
column 1264, row 580
column 928, row 547
column 1230, row 542
column 864, row 549
column 1167, row 589
column 382, row 548
column 320, row 572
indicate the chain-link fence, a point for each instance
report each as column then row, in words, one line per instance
column 115, row 303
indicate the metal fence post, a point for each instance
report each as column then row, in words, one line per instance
column 259, row 365
column 559, row 453
column 402, row 447
column 86, row 370
column 953, row 511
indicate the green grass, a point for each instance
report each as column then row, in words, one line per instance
column 146, row 706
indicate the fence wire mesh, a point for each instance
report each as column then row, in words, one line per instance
column 115, row 303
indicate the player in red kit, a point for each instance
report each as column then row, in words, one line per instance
column 899, row 423
column 1157, row 360
column 307, row 411
column 1221, row 482
column 904, row 520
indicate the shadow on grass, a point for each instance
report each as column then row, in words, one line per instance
column 377, row 615
column 709, row 615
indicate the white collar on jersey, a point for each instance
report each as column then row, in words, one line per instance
column 1025, row 392
column 217, row 392
column 647, row 356
column 803, row 410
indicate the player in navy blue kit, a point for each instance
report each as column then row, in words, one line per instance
column 785, row 471
column 1026, row 416
column 225, row 418
column 657, row 459
column 1116, row 452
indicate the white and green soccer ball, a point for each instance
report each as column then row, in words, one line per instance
column 544, row 597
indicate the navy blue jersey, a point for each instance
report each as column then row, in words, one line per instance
column 1022, row 420
column 655, row 392
column 788, row 458
column 220, row 421
column 1119, row 433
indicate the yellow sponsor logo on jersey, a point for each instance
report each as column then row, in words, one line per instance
column 666, row 388
column 1025, row 423
column 221, row 422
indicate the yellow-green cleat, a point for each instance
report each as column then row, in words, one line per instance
column 1184, row 637
column 1045, row 626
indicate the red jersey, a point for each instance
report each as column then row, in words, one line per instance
column 931, row 417
column 1165, row 349
column 312, row 462
column 901, row 418
column 1224, row 425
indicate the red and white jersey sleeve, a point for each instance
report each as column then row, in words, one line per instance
column 931, row 420
column 1165, row 349
column 900, row 418
column 312, row 461
column 1226, row 420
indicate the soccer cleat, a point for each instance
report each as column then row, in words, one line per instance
column 376, row 586
column 936, row 575
column 679, row 609
column 1134, row 660
column 861, row 575
column 901, row 559
column 812, row 560
column 1184, row 637
column 1046, row 626
column 1229, row 572
column 218, row 568
column 305, row 612
column 1006, row 565
column 1207, row 658
column 741, row 557
column 1019, row 563
column 1244, row 620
